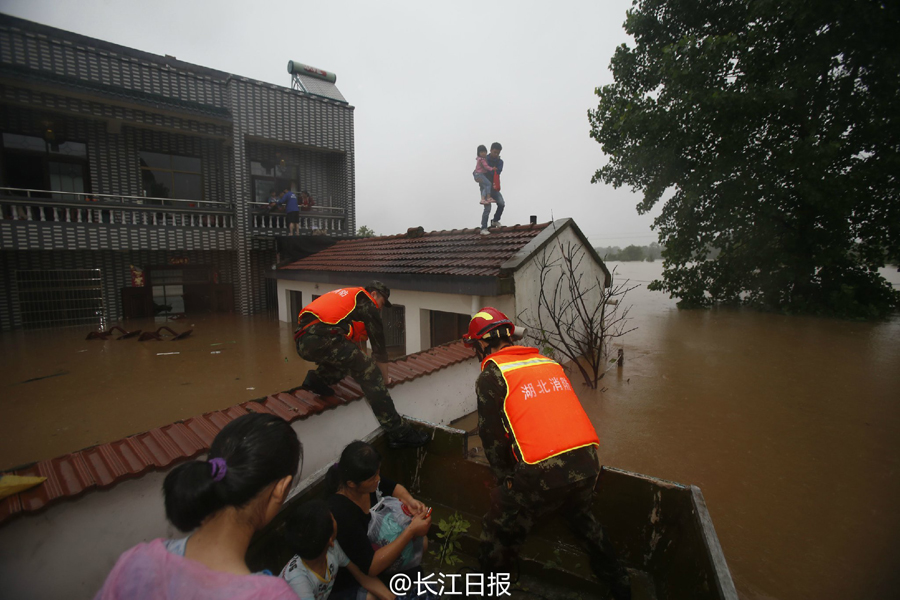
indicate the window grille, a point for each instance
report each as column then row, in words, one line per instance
column 394, row 319
column 60, row 298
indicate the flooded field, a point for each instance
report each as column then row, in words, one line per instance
column 789, row 425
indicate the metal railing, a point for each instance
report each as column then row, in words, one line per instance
column 76, row 207
column 323, row 218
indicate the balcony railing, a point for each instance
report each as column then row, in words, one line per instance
column 317, row 218
column 73, row 207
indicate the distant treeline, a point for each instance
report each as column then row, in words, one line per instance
column 631, row 253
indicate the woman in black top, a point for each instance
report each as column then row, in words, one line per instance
column 355, row 485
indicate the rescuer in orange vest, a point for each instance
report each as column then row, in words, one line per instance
column 330, row 329
column 541, row 446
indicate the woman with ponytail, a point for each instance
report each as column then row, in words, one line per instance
column 223, row 501
column 353, row 486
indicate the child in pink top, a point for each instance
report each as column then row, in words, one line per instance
column 152, row 571
column 482, row 168
column 223, row 501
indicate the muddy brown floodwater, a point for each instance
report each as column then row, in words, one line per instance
column 61, row 393
column 789, row 425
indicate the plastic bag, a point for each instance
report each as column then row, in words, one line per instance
column 496, row 181
column 389, row 519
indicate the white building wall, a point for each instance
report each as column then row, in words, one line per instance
column 67, row 550
column 528, row 279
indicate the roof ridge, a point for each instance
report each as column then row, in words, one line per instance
column 451, row 253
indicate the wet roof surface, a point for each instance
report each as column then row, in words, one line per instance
column 104, row 465
column 463, row 252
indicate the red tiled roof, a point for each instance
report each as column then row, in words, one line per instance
column 455, row 252
column 107, row 464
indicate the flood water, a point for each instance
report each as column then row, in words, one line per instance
column 789, row 425
column 61, row 393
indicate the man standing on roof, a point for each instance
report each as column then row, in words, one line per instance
column 541, row 446
column 494, row 160
column 330, row 329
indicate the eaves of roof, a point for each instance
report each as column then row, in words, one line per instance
column 106, row 465
column 63, row 82
column 442, row 284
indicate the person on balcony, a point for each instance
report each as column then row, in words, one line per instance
column 329, row 331
column 292, row 211
column 306, row 201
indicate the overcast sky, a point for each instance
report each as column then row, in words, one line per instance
column 429, row 82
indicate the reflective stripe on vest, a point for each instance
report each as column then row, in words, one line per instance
column 545, row 415
column 333, row 307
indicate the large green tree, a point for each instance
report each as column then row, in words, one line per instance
column 770, row 131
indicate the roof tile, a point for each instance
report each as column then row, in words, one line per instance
column 184, row 439
column 286, row 409
column 9, row 506
column 134, row 455
column 457, row 252
column 203, row 428
column 104, row 465
column 160, row 447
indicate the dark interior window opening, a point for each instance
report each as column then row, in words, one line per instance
column 447, row 327
column 170, row 176
column 394, row 319
column 267, row 176
column 57, row 167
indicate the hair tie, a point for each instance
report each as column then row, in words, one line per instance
column 219, row 468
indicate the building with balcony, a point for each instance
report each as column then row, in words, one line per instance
column 116, row 162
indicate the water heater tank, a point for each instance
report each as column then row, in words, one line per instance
column 298, row 68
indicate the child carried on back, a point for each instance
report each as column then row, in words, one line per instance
column 482, row 169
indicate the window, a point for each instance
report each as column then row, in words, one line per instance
column 174, row 288
column 296, row 305
column 35, row 163
column 394, row 320
column 266, row 176
column 35, row 144
column 171, row 176
column 66, row 177
column 447, row 327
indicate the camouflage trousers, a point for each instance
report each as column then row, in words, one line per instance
column 336, row 357
column 515, row 506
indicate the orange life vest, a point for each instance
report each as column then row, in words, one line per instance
column 334, row 306
column 543, row 412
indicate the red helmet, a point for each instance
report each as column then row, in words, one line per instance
column 487, row 323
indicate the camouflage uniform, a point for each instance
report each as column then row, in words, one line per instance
column 336, row 357
column 564, row 483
